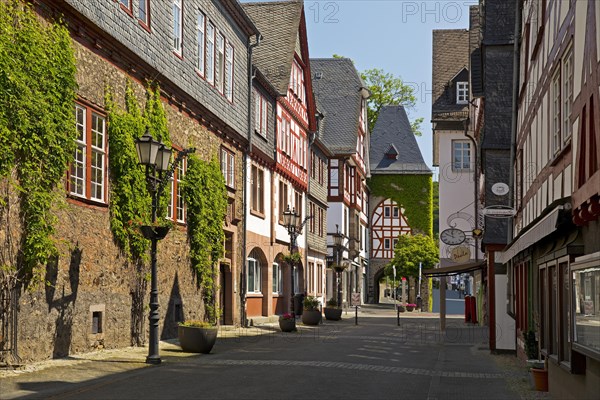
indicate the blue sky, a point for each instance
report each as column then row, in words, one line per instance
column 394, row 35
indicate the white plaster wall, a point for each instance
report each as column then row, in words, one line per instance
column 505, row 325
column 281, row 232
column 456, row 191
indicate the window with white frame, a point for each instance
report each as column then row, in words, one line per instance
column 220, row 63
column 461, row 155
column 254, row 276
column 201, row 37
column 177, row 26
column 567, row 73
column 277, row 279
column 386, row 243
column 586, row 304
column 257, row 200
column 556, row 120
column 462, row 92
column 261, row 109
column 386, row 211
column 143, row 14
column 229, row 71
column 176, row 206
column 87, row 177
column 227, row 167
column 210, row 52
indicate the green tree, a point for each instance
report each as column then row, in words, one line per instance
column 387, row 89
column 409, row 251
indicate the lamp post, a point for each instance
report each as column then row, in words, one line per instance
column 291, row 221
column 338, row 238
column 156, row 157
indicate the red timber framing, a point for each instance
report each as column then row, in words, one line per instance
column 388, row 223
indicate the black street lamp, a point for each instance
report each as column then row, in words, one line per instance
column 156, row 157
column 291, row 221
column 338, row 239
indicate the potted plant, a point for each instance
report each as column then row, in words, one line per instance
column 287, row 322
column 197, row 336
column 410, row 306
column 312, row 313
column 538, row 371
column 332, row 311
column 401, row 308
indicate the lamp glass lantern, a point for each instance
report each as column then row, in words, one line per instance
column 163, row 158
column 147, row 149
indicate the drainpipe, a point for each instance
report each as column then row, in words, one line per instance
column 244, row 318
column 515, row 108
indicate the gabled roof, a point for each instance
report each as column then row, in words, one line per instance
column 450, row 57
column 237, row 12
column 278, row 23
column 337, row 86
column 392, row 132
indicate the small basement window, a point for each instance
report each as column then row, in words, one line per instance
column 96, row 322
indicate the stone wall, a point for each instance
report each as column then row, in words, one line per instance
column 91, row 278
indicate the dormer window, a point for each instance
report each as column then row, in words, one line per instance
column 462, row 92
column 391, row 153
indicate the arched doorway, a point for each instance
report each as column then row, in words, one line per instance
column 376, row 286
column 257, row 278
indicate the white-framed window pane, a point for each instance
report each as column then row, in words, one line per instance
column 231, row 170
column 251, row 265
column 180, row 202
column 567, row 94
column 462, row 92
column 229, row 72
column 177, row 28
column 77, row 183
column 143, row 11
column 125, row 3
column 210, row 52
column 264, row 109
column 201, row 29
column 257, row 98
column 220, row 61
column 170, row 205
column 277, row 278
column 97, row 178
column 556, row 139
column 386, row 243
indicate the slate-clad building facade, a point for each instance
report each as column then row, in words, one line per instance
column 197, row 52
column 341, row 96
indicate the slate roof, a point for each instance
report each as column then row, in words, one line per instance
column 450, row 56
column 278, row 23
column 392, row 133
column 336, row 85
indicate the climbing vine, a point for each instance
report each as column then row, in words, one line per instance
column 37, row 92
column 206, row 199
column 413, row 193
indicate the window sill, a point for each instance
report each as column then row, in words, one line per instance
column 257, row 214
column 254, row 295
column 145, row 26
column 559, row 155
column 82, row 201
column 178, row 54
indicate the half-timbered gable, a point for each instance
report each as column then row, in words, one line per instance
column 387, row 223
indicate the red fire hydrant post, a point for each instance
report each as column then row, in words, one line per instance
column 467, row 308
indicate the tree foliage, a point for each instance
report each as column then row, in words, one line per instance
column 387, row 89
column 206, row 199
column 409, row 251
column 37, row 91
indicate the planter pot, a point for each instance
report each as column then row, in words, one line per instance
column 333, row 314
column 401, row 308
column 154, row 232
column 311, row 317
column 197, row 340
column 540, row 379
column 535, row 363
column 409, row 308
column 287, row 325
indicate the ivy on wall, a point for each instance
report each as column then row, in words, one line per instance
column 37, row 91
column 413, row 193
column 206, row 198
